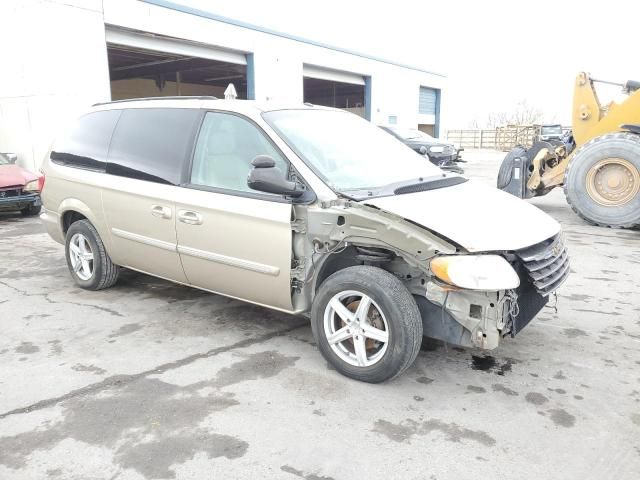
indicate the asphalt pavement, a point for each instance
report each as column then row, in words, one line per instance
column 152, row 380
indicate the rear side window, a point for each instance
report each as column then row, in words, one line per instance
column 152, row 144
column 87, row 143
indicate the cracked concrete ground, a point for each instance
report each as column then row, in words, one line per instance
column 150, row 380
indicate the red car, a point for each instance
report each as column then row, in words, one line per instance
column 19, row 189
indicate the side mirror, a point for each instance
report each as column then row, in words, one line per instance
column 10, row 157
column 266, row 177
column 423, row 150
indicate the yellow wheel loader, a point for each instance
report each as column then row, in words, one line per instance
column 601, row 175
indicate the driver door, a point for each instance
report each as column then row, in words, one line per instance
column 233, row 240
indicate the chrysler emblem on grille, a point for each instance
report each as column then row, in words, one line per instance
column 557, row 248
column 3, row 194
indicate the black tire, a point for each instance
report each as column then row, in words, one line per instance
column 397, row 305
column 105, row 272
column 31, row 210
column 615, row 145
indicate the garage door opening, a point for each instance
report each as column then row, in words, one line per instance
column 337, row 94
column 139, row 73
column 427, row 128
column 429, row 110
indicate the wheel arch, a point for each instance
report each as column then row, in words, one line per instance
column 366, row 255
column 71, row 210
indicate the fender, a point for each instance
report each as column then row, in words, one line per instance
column 96, row 219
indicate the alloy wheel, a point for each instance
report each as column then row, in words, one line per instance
column 81, row 256
column 356, row 328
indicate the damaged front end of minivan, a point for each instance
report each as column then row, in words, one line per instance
column 470, row 299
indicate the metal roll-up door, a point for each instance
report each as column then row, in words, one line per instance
column 161, row 43
column 427, row 103
column 312, row 71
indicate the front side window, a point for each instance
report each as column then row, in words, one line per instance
column 86, row 143
column 225, row 148
column 152, row 144
column 551, row 130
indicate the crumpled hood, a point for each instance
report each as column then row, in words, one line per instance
column 13, row 175
column 479, row 218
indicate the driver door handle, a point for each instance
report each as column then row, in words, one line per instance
column 160, row 211
column 190, row 217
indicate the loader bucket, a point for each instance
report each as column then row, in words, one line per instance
column 512, row 177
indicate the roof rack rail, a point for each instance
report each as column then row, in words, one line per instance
column 184, row 97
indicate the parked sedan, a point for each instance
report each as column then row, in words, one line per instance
column 439, row 152
column 19, row 188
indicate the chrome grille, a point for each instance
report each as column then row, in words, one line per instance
column 547, row 264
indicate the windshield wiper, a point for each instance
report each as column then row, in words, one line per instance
column 357, row 194
column 406, row 186
column 427, row 184
column 421, row 184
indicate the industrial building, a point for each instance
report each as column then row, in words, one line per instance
column 67, row 55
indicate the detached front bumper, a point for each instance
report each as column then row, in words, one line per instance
column 472, row 318
column 18, row 202
column 464, row 317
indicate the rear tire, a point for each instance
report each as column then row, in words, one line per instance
column 603, row 198
column 31, row 210
column 393, row 316
column 88, row 261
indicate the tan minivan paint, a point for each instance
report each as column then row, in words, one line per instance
column 287, row 254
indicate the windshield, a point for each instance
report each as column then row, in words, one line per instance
column 551, row 130
column 348, row 152
column 4, row 160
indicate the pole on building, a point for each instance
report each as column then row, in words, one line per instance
column 230, row 93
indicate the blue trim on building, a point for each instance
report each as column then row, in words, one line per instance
column 219, row 18
column 367, row 98
column 251, row 78
column 436, row 126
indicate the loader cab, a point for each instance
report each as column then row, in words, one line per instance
column 549, row 132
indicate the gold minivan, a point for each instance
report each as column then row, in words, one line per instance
column 304, row 209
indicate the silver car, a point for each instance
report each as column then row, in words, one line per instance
column 303, row 209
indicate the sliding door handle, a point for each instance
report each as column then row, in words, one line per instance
column 192, row 218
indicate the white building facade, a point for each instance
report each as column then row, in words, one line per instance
column 58, row 57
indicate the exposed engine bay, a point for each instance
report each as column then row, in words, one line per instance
column 343, row 233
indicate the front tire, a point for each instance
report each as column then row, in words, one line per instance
column 87, row 259
column 602, row 181
column 31, row 210
column 366, row 324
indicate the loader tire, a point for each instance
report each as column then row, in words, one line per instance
column 602, row 181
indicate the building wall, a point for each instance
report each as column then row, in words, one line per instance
column 61, row 71
column 54, row 64
column 278, row 61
